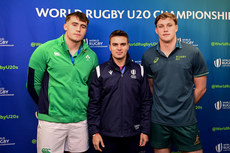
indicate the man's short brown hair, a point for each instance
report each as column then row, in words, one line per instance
column 166, row 15
column 82, row 17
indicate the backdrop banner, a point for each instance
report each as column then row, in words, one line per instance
column 26, row 24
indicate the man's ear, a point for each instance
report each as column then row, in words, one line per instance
column 65, row 27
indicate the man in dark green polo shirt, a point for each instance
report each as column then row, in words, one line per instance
column 177, row 78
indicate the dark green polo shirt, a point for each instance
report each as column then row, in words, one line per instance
column 173, row 99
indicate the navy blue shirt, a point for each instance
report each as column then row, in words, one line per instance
column 173, row 98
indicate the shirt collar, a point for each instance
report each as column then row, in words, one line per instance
column 178, row 45
column 65, row 47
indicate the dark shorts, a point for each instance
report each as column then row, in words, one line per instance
column 121, row 145
column 184, row 138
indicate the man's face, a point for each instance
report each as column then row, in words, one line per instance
column 166, row 30
column 119, row 47
column 75, row 29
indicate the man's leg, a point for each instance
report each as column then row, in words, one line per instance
column 130, row 144
column 187, row 139
column 77, row 140
column 165, row 150
column 50, row 137
column 160, row 138
column 198, row 151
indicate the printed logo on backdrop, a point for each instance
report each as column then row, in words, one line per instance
column 214, row 129
column 142, row 44
column 138, row 61
column 222, row 86
column 222, row 105
column 224, row 44
column 188, row 41
column 133, row 14
column 5, row 43
column 9, row 117
column 4, row 92
column 5, row 142
column 8, row 67
column 222, row 147
column 219, row 147
column 95, row 43
column 221, row 63
column 35, row 44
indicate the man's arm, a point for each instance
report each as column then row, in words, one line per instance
column 150, row 80
column 95, row 64
column 37, row 67
column 94, row 109
column 200, row 88
column 146, row 106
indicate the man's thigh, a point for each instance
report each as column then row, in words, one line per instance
column 187, row 138
column 160, row 137
column 50, row 137
column 77, row 140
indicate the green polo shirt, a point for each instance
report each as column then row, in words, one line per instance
column 173, row 99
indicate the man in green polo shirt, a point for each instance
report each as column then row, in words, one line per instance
column 58, row 78
column 177, row 78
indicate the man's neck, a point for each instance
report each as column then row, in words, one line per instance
column 168, row 47
column 73, row 46
column 119, row 62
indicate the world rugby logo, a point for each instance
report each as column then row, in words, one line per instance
column 133, row 72
column 218, row 105
column 219, row 147
column 86, row 41
column 217, row 62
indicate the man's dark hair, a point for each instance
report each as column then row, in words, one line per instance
column 118, row 33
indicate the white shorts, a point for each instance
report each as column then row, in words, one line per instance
column 57, row 137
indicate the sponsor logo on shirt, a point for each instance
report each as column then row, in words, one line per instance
column 110, row 72
column 180, row 57
column 133, row 72
column 87, row 57
column 197, row 140
column 56, row 54
column 156, row 60
column 46, row 150
column 137, row 126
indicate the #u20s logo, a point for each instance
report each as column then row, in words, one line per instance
column 217, row 62
column 218, row 105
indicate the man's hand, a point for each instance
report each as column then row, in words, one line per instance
column 97, row 140
column 143, row 139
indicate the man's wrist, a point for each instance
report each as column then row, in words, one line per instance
column 95, row 134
